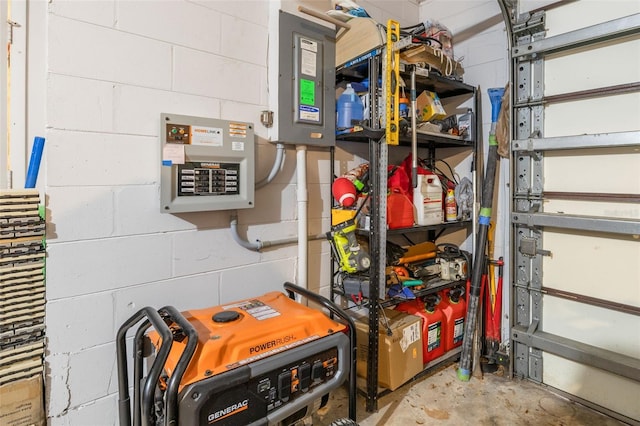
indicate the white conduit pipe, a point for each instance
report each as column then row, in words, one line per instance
column 259, row 245
column 303, row 201
column 277, row 165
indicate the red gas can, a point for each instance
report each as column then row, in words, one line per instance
column 454, row 309
column 399, row 210
column 432, row 324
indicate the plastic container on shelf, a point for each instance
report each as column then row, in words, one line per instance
column 399, row 210
column 432, row 324
column 403, row 107
column 427, row 200
column 350, row 108
column 450, row 206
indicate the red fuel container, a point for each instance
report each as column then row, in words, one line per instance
column 432, row 325
column 399, row 210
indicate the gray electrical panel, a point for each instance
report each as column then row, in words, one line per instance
column 207, row 164
column 306, row 95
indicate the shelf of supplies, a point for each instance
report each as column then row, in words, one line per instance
column 369, row 65
column 445, row 87
column 418, row 228
column 425, row 139
column 432, row 286
column 422, row 228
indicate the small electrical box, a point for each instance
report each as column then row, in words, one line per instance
column 207, row 164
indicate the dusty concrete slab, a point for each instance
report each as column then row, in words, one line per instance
column 442, row 399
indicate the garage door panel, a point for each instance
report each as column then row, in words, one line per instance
column 581, row 14
column 599, row 265
column 599, row 115
column 593, row 325
column 606, row 170
column 616, row 393
column 591, row 68
column 576, row 293
column 593, row 208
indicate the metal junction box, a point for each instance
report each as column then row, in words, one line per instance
column 207, row 164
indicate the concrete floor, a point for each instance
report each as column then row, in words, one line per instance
column 442, row 399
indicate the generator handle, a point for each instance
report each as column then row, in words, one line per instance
column 138, row 371
column 171, row 417
column 124, row 408
column 335, row 309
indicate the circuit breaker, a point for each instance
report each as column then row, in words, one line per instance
column 207, row 164
column 305, row 108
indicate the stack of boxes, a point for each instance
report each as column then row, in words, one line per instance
column 22, row 306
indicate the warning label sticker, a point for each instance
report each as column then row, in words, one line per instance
column 256, row 309
column 410, row 334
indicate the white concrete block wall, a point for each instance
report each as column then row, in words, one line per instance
column 112, row 67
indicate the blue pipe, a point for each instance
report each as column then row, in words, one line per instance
column 34, row 162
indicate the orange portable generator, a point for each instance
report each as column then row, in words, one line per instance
column 262, row 361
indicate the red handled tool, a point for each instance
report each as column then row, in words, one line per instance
column 492, row 317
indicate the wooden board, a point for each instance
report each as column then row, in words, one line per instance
column 364, row 36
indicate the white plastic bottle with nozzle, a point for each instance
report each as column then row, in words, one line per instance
column 427, row 200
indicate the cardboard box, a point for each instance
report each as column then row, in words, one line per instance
column 399, row 355
column 429, row 107
column 21, row 402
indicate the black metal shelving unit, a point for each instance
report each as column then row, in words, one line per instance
column 377, row 233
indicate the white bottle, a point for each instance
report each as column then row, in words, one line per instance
column 427, row 200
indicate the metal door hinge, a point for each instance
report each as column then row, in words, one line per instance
column 529, row 247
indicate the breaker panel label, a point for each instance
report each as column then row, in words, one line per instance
column 210, row 178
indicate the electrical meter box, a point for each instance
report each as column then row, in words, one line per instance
column 207, row 164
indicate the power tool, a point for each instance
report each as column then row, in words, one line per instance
column 344, row 244
column 267, row 360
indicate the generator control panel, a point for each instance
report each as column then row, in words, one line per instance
column 207, row 164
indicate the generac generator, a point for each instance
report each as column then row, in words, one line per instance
column 263, row 361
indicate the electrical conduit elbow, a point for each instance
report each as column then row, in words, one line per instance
column 244, row 243
column 277, row 165
column 259, row 245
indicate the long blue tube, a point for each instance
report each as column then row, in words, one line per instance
column 34, row 162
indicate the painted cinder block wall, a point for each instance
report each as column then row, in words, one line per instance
column 108, row 69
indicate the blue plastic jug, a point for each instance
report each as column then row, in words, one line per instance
column 349, row 108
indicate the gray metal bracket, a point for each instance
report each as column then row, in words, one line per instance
column 528, row 110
